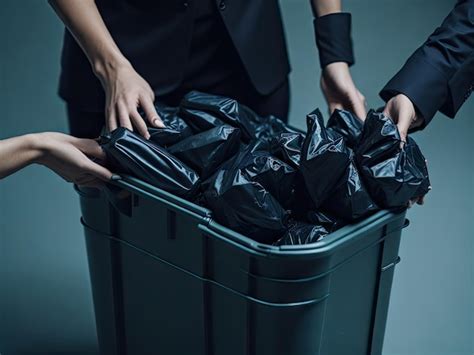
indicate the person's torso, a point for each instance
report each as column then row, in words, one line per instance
column 194, row 41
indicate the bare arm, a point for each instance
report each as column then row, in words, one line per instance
column 67, row 156
column 125, row 89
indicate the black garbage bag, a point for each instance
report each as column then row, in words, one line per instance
column 239, row 199
column 287, row 147
column 324, row 159
column 175, row 129
column 326, row 219
column 277, row 177
column 347, row 125
column 302, row 233
column 393, row 174
column 226, row 109
column 268, row 127
column 198, row 120
column 129, row 153
column 206, row 151
column 350, row 200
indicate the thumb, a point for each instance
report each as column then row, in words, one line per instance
column 403, row 124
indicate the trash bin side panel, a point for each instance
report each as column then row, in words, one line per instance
column 389, row 261
column 350, row 305
column 95, row 209
column 163, row 306
column 158, row 229
column 295, row 330
column 229, row 325
column 104, row 291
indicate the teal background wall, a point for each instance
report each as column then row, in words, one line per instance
column 45, row 297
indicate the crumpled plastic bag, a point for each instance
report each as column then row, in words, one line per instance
column 325, row 219
column 287, row 147
column 206, row 151
column 347, row 125
column 238, row 196
column 175, row 129
column 302, row 233
column 226, row 109
column 350, row 200
column 324, row 159
column 198, row 120
column 393, row 175
column 268, row 127
column 129, row 153
column 331, row 175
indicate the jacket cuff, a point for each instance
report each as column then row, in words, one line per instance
column 333, row 38
column 424, row 84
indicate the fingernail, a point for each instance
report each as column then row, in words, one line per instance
column 115, row 177
column 157, row 122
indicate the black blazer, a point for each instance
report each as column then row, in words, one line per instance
column 440, row 74
column 154, row 35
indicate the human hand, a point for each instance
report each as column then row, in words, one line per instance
column 70, row 158
column 402, row 111
column 340, row 91
column 125, row 92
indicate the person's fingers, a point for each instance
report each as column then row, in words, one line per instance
column 90, row 147
column 111, row 119
column 334, row 106
column 98, row 171
column 139, row 124
column 91, row 181
column 150, row 112
column 123, row 116
column 403, row 124
column 358, row 107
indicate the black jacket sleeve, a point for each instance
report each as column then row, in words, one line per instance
column 440, row 74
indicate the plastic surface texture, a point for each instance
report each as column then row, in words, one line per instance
column 128, row 152
column 244, row 194
column 175, row 129
column 393, row 175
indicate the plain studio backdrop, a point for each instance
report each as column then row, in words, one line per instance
column 45, row 296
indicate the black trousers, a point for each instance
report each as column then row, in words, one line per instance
column 85, row 124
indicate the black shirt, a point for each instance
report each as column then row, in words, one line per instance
column 176, row 43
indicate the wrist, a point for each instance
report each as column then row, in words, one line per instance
column 333, row 38
column 105, row 67
column 35, row 147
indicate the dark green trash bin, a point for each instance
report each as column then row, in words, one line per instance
column 169, row 280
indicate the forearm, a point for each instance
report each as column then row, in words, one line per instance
column 18, row 152
column 84, row 21
column 325, row 7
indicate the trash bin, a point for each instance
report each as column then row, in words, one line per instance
column 167, row 279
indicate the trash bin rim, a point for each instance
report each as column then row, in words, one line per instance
column 323, row 247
